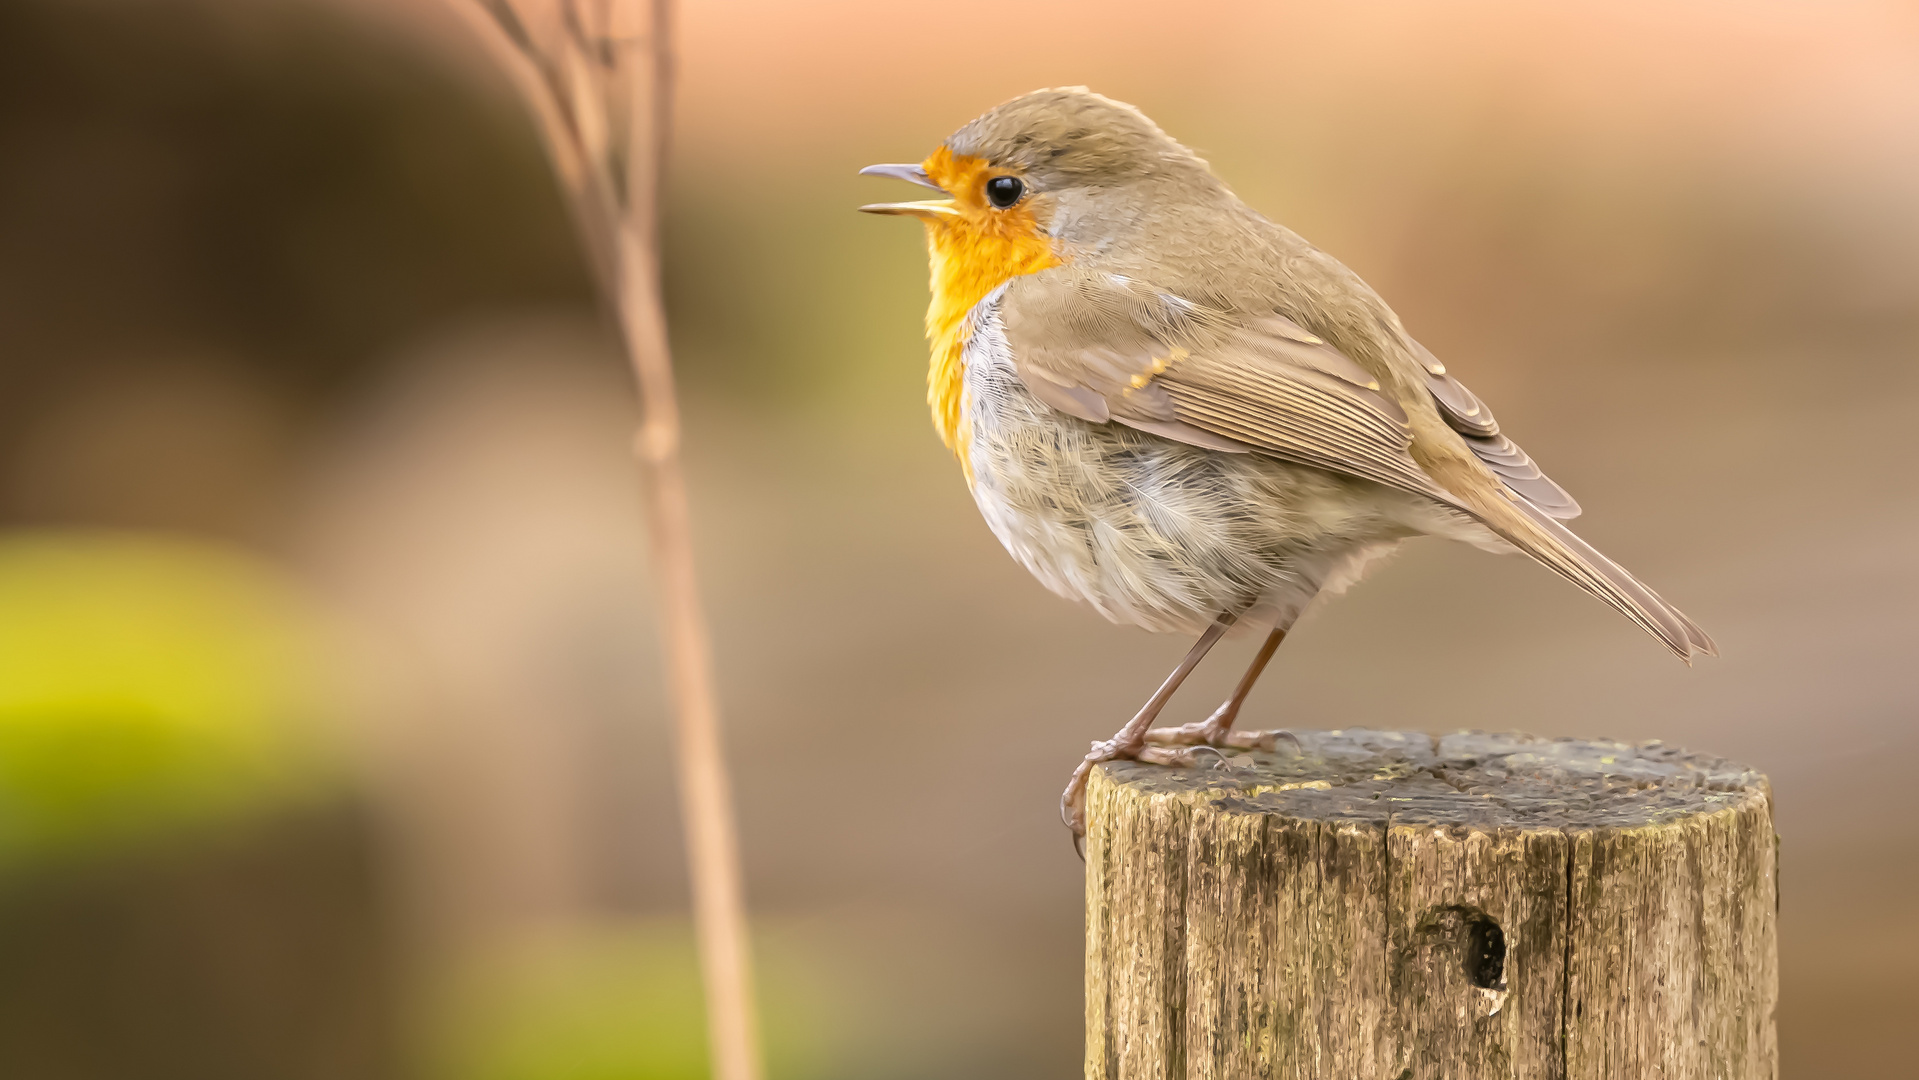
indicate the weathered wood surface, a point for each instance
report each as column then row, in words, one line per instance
column 1390, row 906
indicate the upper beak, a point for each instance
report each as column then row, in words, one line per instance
column 930, row 209
column 912, row 173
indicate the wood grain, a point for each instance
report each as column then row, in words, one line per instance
column 1409, row 907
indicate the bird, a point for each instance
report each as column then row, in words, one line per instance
column 1178, row 411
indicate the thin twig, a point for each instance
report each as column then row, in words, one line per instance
column 599, row 77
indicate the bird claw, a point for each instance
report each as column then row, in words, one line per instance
column 1216, row 735
column 1175, row 747
column 1072, row 801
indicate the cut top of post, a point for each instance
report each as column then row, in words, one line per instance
column 1488, row 781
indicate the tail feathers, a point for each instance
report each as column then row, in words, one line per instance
column 1701, row 641
column 1556, row 546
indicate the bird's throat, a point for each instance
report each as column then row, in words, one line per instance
column 969, row 261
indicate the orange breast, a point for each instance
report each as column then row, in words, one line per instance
column 972, row 254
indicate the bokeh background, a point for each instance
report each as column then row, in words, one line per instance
column 332, row 742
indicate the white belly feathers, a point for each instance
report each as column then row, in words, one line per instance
column 1153, row 532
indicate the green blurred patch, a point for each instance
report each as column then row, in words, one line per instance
column 147, row 685
column 623, row 1002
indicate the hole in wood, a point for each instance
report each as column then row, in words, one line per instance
column 1485, row 952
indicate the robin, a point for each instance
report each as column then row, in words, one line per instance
column 1174, row 409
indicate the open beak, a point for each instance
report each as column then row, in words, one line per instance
column 930, row 209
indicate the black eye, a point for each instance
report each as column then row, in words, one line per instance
column 1004, row 191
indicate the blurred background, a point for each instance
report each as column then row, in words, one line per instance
column 331, row 736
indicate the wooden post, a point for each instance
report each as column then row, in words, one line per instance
column 1380, row 905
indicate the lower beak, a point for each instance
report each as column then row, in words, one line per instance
column 929, row 210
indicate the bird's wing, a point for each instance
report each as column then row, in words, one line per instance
column 1466, row 414
column 1103, row 348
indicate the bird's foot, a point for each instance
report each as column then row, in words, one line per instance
column 1181, row 747
column 1214, row 733
column 1072, row 801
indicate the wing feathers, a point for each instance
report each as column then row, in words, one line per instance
column 1510, row 463
column 1223, row 413
column 1072, row 400
column 1303, row 414
column 1465, row 413
column 1284, row 339
column 1179, row 431
column 1463, row 410
column 1098, row 350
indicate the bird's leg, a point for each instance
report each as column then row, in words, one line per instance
column 1217, row 729
column 1130, row 740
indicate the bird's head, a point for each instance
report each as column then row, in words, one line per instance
column 1051, row 170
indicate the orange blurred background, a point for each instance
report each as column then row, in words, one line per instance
column 285, row 289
